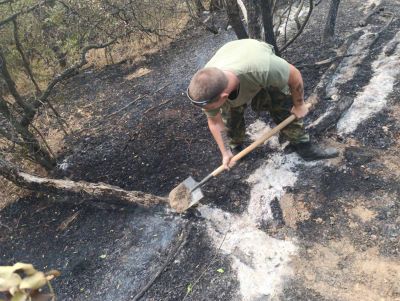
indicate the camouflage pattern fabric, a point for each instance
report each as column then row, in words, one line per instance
column 277, row 104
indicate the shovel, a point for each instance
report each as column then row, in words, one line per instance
column 188, row 193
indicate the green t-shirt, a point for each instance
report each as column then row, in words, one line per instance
column 256, row 66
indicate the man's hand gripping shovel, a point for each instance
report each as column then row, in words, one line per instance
column 188, row 193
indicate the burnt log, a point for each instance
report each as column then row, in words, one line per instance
column 86, row 191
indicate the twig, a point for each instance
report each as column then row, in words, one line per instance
column 208, row 265
column 157, row 106
column 64, row 225
column 174, row 252
column 137, row 99
column 5, row 226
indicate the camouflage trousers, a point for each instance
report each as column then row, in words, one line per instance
column 277, row 104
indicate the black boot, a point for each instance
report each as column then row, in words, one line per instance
column 309, row 151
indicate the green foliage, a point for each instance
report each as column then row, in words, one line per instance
column 44, row 42
column 22, row 282
column 59, row 30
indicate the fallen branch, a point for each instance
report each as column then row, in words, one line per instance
column 324, row 62
column 86, row 190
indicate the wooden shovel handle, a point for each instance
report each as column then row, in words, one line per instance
column 258, row 142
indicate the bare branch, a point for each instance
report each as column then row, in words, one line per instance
column 12, row 87
column 287, row 20
column 301, row 28
column 23, row 57
column 71, row 70
column 296, row 15
column 23, row 11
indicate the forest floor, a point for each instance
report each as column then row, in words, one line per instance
column 273, row 228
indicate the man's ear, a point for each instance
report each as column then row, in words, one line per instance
column 224, row 95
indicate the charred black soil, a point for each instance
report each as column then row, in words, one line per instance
column 350, row 208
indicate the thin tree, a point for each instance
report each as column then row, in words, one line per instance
column 264, row 18
column 233, row 12
column 329, row 30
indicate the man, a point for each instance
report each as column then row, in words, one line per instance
column 247, row 72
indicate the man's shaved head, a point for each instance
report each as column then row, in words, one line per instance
column 207, row 84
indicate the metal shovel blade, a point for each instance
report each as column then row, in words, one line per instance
column 195, row 193
column 185, row 195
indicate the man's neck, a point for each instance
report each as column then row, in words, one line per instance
column 233, row 81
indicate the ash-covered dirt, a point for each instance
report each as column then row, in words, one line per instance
column 343, row 215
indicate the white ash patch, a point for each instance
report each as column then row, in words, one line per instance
column 65, row 164
column 261, row 262
column 349, row 65
column 373, row 98
column 369, row 4
column 259, row 128
column 320, row 118
column 269, row 182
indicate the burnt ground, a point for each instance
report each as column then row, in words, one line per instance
column 343, row 215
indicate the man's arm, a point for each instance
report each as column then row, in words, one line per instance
column 297, row 90
column 218, row 130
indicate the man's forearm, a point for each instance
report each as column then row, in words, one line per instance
column 218, row 130
column 296, row 87
column 298, row 94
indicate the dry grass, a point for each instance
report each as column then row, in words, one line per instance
column 9, row 193
column 135, row 48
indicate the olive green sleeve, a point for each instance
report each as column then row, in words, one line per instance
column 278, row 75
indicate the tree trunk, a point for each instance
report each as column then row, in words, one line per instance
column 232, row 10
column 267, row 20
column 87, row 191
column 260, row 22
column 329, row 30
column 253, row 14
column 28, row 140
